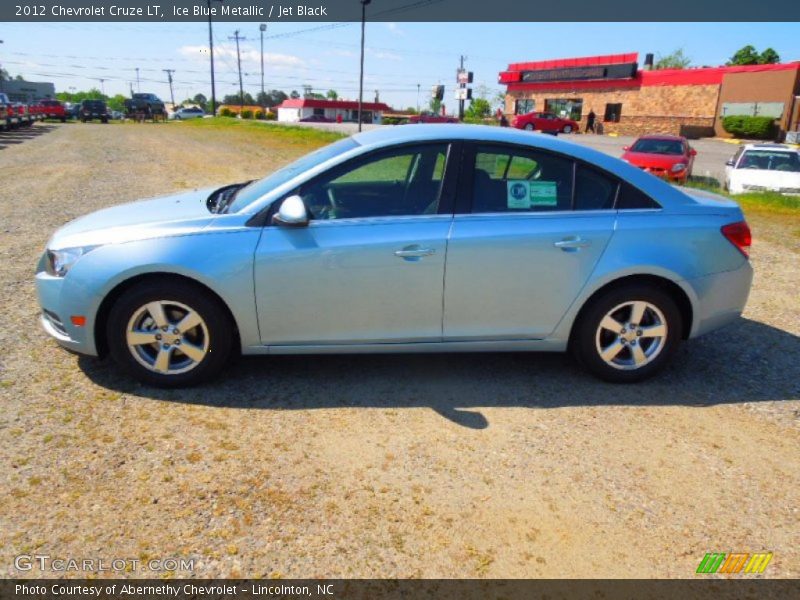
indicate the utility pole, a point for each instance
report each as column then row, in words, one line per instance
column 211, row 51
column 417, row 97
column 138, row 84
column 262, row 28
column 169, row 73
column 461, row 100
column 237, row 37
column 361, row 73
column 102, row 86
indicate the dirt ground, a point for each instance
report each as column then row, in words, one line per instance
column 483, row 465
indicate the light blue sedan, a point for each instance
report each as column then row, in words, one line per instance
column 408, row 239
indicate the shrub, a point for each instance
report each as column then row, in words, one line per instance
column 247, row 114
column 259, row 114
column 226, row 112
column 759, row 128
column 271, row 116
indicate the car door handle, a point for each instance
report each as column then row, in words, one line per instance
column 415, row 251
column 572, row 243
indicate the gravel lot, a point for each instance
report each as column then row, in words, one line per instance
column 409, row 466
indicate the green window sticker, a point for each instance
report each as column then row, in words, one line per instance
column 543, row 193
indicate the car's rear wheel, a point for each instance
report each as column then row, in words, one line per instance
column 529, row 127
column 567, row 129
column 170, row 334
column 628, row 333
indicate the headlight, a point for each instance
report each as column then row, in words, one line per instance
column 678, row 167
column 59, row 262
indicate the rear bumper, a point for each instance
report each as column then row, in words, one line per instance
column 721, row 298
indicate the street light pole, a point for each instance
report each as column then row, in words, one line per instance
column 263, row 28
column 361, row 74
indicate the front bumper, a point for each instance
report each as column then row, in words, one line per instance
column 57, row 308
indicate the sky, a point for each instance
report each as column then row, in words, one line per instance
column 399, row 56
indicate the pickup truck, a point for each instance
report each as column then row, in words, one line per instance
column 53, row 109
column 8, row 117
column 148, row 105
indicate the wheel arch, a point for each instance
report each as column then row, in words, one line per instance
column 667, row 285
column 101, row 318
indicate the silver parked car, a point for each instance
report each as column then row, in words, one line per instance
column 422, row 239
column 187, row 112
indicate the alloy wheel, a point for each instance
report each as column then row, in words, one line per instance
column 167, row 337
column 631, row 335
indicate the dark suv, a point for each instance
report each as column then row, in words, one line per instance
column 94, row 109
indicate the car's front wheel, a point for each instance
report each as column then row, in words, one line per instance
column 529, row 127
column 628, row 333
column 567, row 129
column 170, row 334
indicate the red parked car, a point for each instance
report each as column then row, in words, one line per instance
column 667, row 156
column 431, row 118
column 544, row 121
column 53, row 109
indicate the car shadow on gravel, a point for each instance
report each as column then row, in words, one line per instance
column 23, row 134
column 745, row 362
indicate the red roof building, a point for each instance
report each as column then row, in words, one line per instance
column 630, row 100
column 299, row 109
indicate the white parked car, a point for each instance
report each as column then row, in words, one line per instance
column 763, row 168
column 188, row 112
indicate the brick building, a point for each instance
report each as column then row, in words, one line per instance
column 631, row 101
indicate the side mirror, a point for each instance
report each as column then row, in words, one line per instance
column 292, row 213
column 626, row 148
column 692, row 152
column 729, row 162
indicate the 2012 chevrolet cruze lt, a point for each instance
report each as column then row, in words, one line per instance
column 429, row 238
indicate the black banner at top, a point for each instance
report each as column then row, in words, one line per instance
column 326, row 11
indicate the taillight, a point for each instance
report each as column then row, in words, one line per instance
column 739, row 235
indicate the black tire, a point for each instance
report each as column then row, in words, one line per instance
column 218, row 335
column 63, row 119
column 567, row 129
column 588, row 337
column 530, row 127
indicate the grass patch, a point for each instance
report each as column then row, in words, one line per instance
column 280, row 133
column 770, row 201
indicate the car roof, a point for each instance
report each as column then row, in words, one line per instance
column 661, row 136
column 777, row 147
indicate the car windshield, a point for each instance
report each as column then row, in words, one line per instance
column 656, row 146
column 258, row 188
column 766, row 160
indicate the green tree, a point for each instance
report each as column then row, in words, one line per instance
column 674, row 60
column 769, row 57
column 200, row 100
column 435, row 106
column 745, row 56
column 478, row 109
column 117, row 102
column 4, row 76
column 294, row 95
column 332, row 95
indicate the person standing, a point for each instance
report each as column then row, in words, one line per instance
column 590, row 121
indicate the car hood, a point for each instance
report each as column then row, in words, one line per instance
column 644, row 159
column 180, row 214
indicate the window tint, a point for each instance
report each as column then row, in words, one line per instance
column 520, row 180
column 404, row 182
column 594, row 190
column 613, row 113
column 630, row 198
